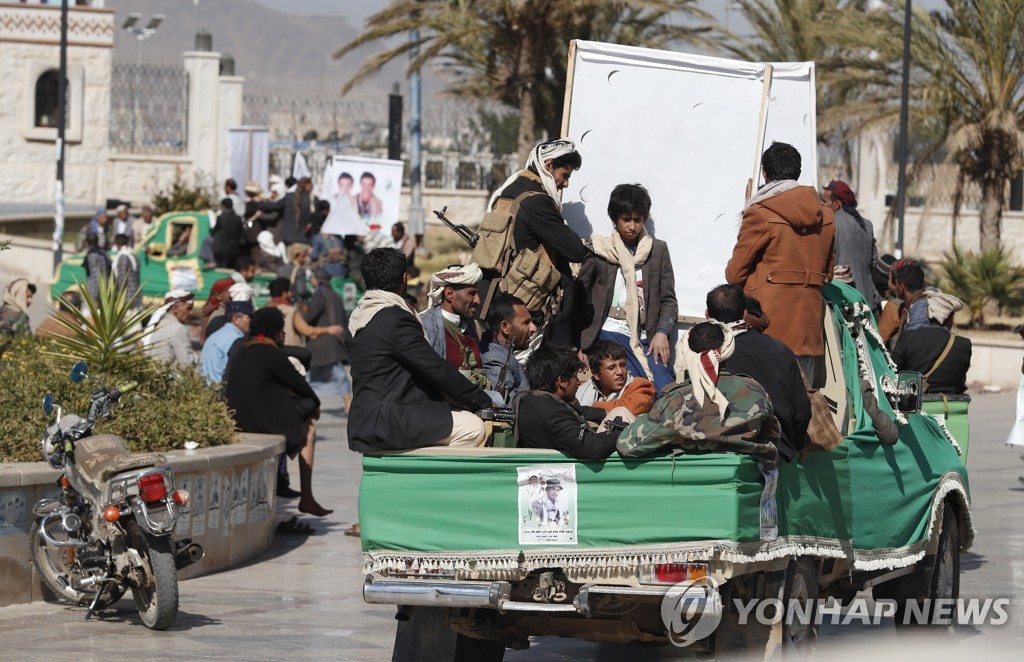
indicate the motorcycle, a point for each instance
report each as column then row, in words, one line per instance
column 110, row 529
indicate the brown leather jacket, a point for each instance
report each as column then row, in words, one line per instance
column 783, row 256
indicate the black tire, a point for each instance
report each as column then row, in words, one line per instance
column 425, row 635
column 799, row 636
column 156, row 595
column 56, row 568
column 944, row 576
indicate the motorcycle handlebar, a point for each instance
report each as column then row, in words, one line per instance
column 127, row 387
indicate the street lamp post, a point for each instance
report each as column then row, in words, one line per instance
column 141, row 34
column 901, row 185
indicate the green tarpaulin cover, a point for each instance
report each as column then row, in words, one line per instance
column 870, row 503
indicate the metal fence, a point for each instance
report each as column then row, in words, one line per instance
column 458, row 149
column 148, row 109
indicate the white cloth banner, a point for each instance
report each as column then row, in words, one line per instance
column 364, row 194
column 1016, row 437
column 299, row 167
column 249, row 154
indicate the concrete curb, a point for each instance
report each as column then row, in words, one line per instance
column 231, row 510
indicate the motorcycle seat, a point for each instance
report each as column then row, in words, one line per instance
column 100, row 457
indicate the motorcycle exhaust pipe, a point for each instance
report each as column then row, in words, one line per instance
column 188, row 554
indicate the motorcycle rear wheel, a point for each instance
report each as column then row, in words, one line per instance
column 156, row 596
column 56, row 568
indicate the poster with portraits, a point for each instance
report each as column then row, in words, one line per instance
column 547, row 504
column 364, row 194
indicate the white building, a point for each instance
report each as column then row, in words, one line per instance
column 94, row 169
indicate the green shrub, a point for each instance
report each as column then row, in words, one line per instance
column 185, row 196
column 979, row 279
column 169, row 406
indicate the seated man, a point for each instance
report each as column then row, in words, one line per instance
column 169, row 338
column 59, row 324
column 448, row 323
column 709, row 411
column 401, row 386
column 769, row 362
column 934, row 351
column 909, row 310
column 612, row 385
column 268, row 395
column 510, row 324
column 549, row 417
column 213, row 360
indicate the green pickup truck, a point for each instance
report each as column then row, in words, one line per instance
column 464, row 544
column 161, row 272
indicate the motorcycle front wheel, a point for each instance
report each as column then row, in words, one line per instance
column 57, row 568
column 155, row 587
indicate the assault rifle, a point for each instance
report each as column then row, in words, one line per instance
column 500, row 386
column 465, row 233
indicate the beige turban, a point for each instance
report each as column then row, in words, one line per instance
column 241, row 292
column 941, row 305
column 703, row 367
column 542, row 152
column 16, row 294
column 454, row 276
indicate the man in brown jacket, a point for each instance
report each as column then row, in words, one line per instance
column 784, row 255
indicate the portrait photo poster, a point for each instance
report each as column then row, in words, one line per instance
column 547, row 504
column 364, row 194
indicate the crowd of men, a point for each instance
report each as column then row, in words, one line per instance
column 522, row 335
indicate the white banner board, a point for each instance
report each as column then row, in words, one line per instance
column 364, row 193
column 687, row 127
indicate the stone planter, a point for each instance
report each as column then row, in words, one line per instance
column 231, row 510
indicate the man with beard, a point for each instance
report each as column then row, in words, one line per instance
column 510, row 324
column 449, row 322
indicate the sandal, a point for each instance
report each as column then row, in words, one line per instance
column 353, row 531
column 295, row 527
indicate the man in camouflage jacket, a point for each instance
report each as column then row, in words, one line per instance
column 740, row 419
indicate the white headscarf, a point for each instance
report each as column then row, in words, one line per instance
column 265, row 239
column 542, row 152
column 241, row 292
column 941, row 305
column 469, row 274
column 16, row 294
column 171, row 298
column 703, row 367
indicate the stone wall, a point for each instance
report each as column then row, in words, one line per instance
column 230, row 513
column 29, row 39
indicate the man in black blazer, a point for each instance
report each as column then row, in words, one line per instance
column 402, row 388
column 549, row 416
column 769, row 362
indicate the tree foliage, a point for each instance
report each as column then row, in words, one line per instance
column 515, row 51
column 980, row 279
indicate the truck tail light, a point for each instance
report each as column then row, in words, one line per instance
column 152, row 488
column 673, row 573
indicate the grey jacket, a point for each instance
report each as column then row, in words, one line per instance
column 433, row 324
column 855, row 247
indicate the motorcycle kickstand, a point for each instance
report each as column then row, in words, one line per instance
column 95, row 601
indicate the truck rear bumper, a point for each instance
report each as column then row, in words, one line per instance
column 378, row 589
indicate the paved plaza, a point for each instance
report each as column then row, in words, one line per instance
column 301, row 600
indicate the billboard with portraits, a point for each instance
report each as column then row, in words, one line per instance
column 364, row 194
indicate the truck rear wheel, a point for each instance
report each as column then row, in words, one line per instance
column 425, row 635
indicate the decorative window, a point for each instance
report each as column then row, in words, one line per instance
column 46, row 99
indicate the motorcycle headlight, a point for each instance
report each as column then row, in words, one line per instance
column 51, row 447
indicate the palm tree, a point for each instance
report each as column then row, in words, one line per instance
column 514, row 51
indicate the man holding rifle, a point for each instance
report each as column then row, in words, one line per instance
column 511, row 328
column 529, row 257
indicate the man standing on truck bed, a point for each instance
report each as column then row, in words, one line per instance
column 543, row 245
column 784, row 255
column 401, row 386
